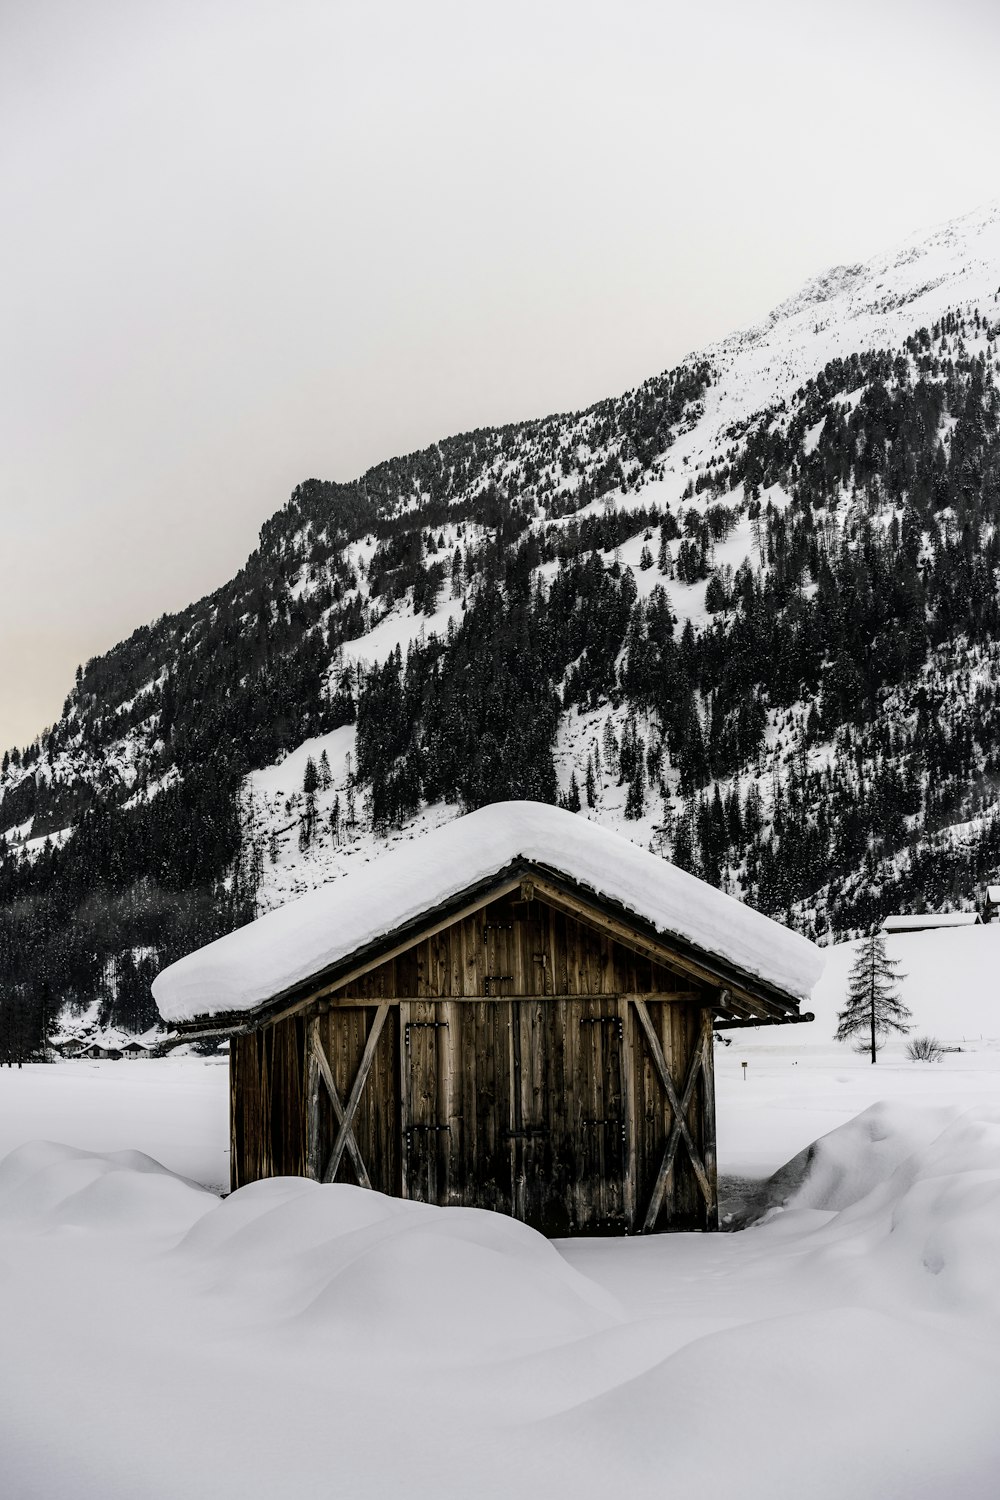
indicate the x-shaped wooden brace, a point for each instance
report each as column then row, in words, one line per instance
column 679, row 1130
column 345, row 1113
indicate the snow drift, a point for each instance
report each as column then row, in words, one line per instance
column 306, row 1339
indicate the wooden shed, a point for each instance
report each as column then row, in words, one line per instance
column 514, row 1012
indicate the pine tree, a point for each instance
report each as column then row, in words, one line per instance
column 325, row 775
column 664, row 561
column 610, row 747
column 591, row 783
column 635, row 802
column 873, row 1004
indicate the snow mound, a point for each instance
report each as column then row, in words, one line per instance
column 825, row 1404
column 385, row 1276
column 917, row 1192
column 879, row 1352
column 930, row 1229
column 288, row 946
column 844, row 1166
column 344, row 1341
column 46, row 1186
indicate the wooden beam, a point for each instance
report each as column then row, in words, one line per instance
column 628, row 1102
column 385, row 955
column 796, row 1020
column 312, row 1100
column 659, row 951
column 331, row 1087
column 708, row 1118
column 404, row 1103
column 234, row 1142
column 346, row 1131
column 654, row 997
column 680, row 1129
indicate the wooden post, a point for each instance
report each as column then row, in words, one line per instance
column 710, row 1154
column 312, row 1099
column 628, row 1109
column 235, row 1102
column 405, row 1106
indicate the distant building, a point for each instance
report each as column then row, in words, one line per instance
column 95, row 1050
column 930, row 919
column 992, row 907
column 70, row 1046
column 135, row 1049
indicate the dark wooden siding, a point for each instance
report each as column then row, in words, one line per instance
column 512, row 1073
column 515, row 947
column 267, row 1122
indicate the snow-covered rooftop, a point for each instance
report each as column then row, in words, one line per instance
column 288, row 946
column 931, row 919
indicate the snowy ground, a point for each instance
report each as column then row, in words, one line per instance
column 800, row 1083
column 309, row 1341
column 175, row 1109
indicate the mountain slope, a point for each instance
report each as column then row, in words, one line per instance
column 748, row 612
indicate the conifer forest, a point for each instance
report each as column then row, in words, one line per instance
column 774, row 660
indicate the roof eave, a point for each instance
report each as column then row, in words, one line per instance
column 715, row 969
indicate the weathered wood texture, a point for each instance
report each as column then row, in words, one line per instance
column 513, row 947
column 511, row 1061
column 267, row 1103
column 343, row 1035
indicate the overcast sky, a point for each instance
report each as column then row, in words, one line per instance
column 244, row 243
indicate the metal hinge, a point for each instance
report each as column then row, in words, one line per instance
column 424, row 1026
column 604, row 1021
column 605, row 1122
column 496, row 979
column 426, row 1129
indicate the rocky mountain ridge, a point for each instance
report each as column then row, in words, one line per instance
column 747, row 613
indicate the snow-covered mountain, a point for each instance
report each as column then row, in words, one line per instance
column 747, row 612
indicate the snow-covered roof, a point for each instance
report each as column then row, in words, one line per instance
column 280, row 951
column 993, row 895
column 931, row 919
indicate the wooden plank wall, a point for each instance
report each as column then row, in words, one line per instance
column 515, row 947
column 548, row 1107
column 267, row 1086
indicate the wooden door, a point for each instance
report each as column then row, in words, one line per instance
column 571, row 1127
column 675, row 1089
column 455, row 1094
column 351, row 1116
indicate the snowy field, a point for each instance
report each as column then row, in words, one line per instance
column 310, row 1341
